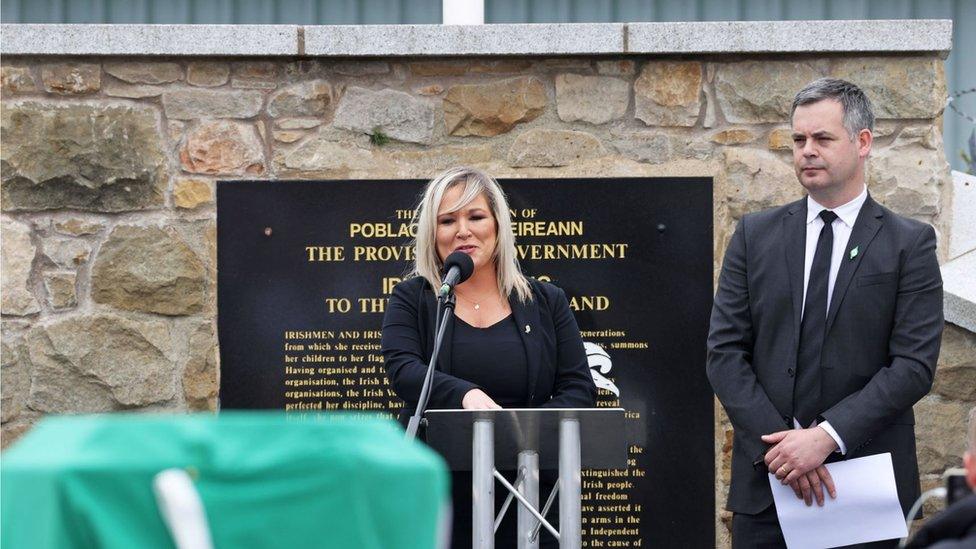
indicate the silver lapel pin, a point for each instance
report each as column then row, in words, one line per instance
column 528, row 328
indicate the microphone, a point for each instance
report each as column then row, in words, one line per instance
column 459, row 267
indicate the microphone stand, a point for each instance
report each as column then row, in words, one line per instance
column 445, row 302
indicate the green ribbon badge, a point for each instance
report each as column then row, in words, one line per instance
column 854, row 253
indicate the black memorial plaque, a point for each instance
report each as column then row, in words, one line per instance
column 305, row 267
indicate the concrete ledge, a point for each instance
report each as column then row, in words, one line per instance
column 235, row 40
column 933, row 35
column 422, row 40
column 738, row 37
column 959, row 288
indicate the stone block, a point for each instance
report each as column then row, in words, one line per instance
column 910, row 179
column 397, row 114
column 144, row 72
column 207, row 74
column 327, row 155
column 128, row 91
column 16, row 380
column 493, row 108
column 733, row 136
column 361, row 68
column 17, row 258
column 191, row 104
column 189, row 193
column 71, row 78
column 617, row 67
column 297, row 123
column 593, row 99
column 940, row 433
column 287, row 136
column 756, row 180
column 668, row 93
column 780, row 139
column 78, row 227
column 541, row 147
column 148, row 269
column 100, row 363
column 17, row 80
column 756, row 92
column 201, row 373
column 312, row 98
column 67, row 253
column 223, row 147
column 104, row 157
column 955, row 377
column 425, row 162
column 61, row 290
column 898, row 87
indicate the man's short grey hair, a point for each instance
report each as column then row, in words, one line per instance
column 857, row 107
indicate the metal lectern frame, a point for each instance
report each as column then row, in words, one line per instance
column 526, row 441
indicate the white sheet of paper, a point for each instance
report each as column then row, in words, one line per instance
column 866, row 508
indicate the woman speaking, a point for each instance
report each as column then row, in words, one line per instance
column 513, row 341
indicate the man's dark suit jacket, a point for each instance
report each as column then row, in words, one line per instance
column 884, row 327
column 558, row 372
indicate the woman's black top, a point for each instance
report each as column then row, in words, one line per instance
column 492, row 358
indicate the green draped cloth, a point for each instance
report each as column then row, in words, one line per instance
column 266, row 480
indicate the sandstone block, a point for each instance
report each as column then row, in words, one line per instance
column 128, row 91
column 148, row 269
column 617, row 67
column 71, row 78
column 207, row 74
column 103, row 157
column 201, row 373
column 16, row 80
column 755, row 92
column 430, row 161
column 17, row 257
column 16, row 381
column 493, row 108
column 668, row 93
column 593, row 99
column 940, row 433
column 297, row 123
column 758, row 180
column 955, row 377
column 287, row 136
column 540, row 147
column 78, row 227
column 190, row 193
column 898, row 87
column 60, row 288
column 223, row 147
column 313, row 98
column 909, row 179
column 191, row 104
column 67, row 253
column 326, row 156
column 433, row 89
column 100, row 363
column 361, row 68
column 142, row 72
column 397, row 114
column 780, row 139
column 733, row 136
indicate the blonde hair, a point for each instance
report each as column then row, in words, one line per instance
column 428, row 265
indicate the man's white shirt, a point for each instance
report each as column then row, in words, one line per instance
column 842, row 227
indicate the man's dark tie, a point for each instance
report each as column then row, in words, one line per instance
column 807, row 390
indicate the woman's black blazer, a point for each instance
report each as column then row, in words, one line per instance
column 558, row 376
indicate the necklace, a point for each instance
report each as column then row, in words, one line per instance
column 477, row 306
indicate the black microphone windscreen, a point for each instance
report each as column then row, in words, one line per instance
column 463, row 262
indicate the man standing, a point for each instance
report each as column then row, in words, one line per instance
column 826, row 324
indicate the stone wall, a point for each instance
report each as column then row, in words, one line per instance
column 108, row 170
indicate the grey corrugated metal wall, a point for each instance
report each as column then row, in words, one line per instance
column 960, row 67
